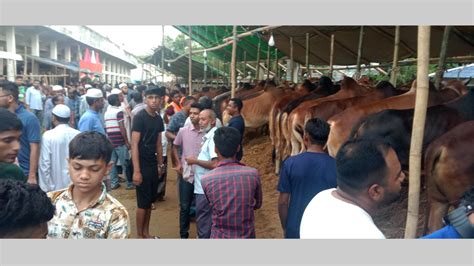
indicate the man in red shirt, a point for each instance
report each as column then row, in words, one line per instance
column 233, row 190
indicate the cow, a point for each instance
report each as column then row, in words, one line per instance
column 449, row 171
column 287, row 104
column 342, row 123
column 349, row 88
column 326, row 109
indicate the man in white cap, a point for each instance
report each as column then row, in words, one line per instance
column 90, row 120
column 84, row 106
column 49, row 105
column 53, row 170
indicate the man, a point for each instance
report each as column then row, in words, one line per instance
column 90, row 120
column 138, row 99
column 188, row 140
column 74, row 103
column 57, row 90
column 369, row 176
column 84, row 106
column 34, row 101
column 85, row 209
column 205, row 162
column 237, row 121
column 174, row 106
column 31, row 132
column 304, row 175
column 206, row 103
column 53, row 170
column 147, row 157
column 114, row 126
column 21, row 89
column 25, row 210
column 124, row 101
column 233, row 190
column 10, row 131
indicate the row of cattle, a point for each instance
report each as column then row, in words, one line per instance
column 359, row 110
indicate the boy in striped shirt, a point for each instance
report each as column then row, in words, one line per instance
column 115, row 129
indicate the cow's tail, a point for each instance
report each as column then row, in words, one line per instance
column 296, row 136
column 432, row 156
column 284, row 140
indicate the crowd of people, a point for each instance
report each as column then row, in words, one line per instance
column 62, row 152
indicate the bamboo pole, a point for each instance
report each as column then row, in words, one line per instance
column 245, row 64
column 163, row 54
column 308, row 72
column 232, row 67
column 442, row 57
column 258, row 61
column 421, row 104
column 64, row 84
column 268, row 62
column 359, row 51
column 25, row 66
column 276, row 65
column 190, row 78
column 291, row 59
column 331, row 57
column 394, row 72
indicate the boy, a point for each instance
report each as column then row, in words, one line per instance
column 147, row 157
column 85, row 209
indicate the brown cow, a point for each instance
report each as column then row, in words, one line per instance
column 349, row 88
column 449, row 168
column 326, row 109
column 342, row 123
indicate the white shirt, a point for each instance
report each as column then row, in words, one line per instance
column 33, row 98
column 53, row 166
column 207, row 153
column 327, row 217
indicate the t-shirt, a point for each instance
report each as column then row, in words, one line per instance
column 150, row 128
column 238, row 123
column 33, row 98
column 31, row 133
column 328, row 217
column 90, row 121
column 303, row 176
column 12, row 171
column 176, row 122
column 113, row 116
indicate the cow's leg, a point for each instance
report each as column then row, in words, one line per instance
column 438, row 210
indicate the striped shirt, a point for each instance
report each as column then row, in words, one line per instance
column 234, row 191
column 113, row 116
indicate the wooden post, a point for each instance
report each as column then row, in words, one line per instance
column 308, row 73
column 276, row 64
column 442, row 57
column 421, row 104
column 291, row 59
column 359, row 51
column 25, row 66
column 190, row 78
column 232, row 66
column 245, row 64
column 64, row 84
column 163, row 54
column 393, row 75
column 258, row 61
column 331, row 56
column 268, row 62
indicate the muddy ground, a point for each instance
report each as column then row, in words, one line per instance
column 257, row 153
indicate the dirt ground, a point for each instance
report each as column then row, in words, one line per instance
column 257, row 153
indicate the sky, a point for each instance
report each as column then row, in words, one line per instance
column 136, row 39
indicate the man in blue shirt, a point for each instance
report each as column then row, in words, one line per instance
column 237, row 121
column 303, row 176
column 90, row 120
column 31, row 133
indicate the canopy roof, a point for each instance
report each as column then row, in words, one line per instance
column 211, row 36
column 181, row 66
column 378, row 43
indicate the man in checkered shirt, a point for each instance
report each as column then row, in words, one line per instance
column 233, row 190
